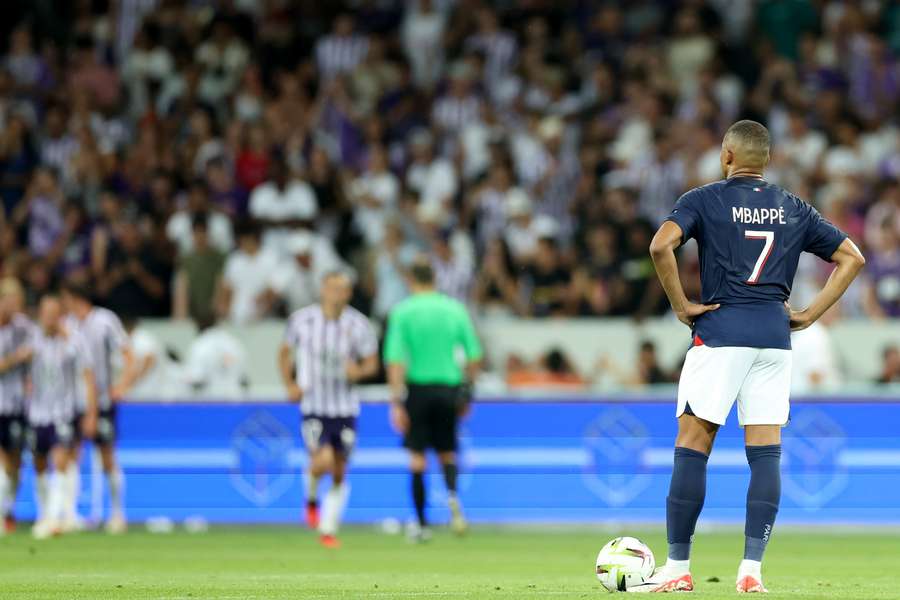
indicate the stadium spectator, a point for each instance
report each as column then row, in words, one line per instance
column 297, row 278
column 215, row 365
column 552, row 370
column 197, row 280
column 890, row 365
column 197, row 206
column 281, row 204
column 246, row 292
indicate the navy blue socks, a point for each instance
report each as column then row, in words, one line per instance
column 763, row 497
column 687, row 491
column 418, row 493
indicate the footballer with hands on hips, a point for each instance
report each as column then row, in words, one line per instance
column 327, row 349
column 750, row 234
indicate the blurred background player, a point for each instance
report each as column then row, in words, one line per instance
column 60, row 366
column 328, row 347
column 751, row 234
column 107, row 342
column 429, row 390
column 147, row 370
column 15, row 333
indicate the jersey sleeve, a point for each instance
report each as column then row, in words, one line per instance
column 292, row 333
column 366, row 340
column 687, row 214
column 395, row 350
column 470, row 342
column 822, row 237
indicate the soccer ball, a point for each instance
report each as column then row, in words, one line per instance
column 623, row 563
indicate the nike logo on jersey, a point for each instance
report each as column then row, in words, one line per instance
column 757, row 216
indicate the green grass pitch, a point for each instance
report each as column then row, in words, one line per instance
column 269, row 563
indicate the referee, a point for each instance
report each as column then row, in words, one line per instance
column 429, row 391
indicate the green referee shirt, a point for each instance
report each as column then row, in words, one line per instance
column 424, row 332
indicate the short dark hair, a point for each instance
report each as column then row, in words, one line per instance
column 246, row 228
column 752, row 136
column 422, row 272
column 76, row 289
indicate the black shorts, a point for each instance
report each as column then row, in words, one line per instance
column 106, row 427
column 337, row 432
column 43, row 438
column 12, row 432
column 433, row 417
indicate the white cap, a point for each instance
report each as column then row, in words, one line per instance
column 517, row 203
column 300, row 243
column 545, row 226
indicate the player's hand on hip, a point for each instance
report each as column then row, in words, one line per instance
column 353, row 370
column 691, row 311
column 294, row 393
column 800, row 319
column 399, row 418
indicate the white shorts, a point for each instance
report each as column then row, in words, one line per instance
column 758, row 378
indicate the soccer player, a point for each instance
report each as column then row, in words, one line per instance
column 750, row 234
column 104, row 338
column 60, row 361
column 15, row 334
column 328, row 347
column 429, row 391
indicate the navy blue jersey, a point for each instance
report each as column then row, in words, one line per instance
column 750, row 234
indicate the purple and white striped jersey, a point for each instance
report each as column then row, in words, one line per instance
column 104, row 337
column 14, row 335
column 322, row 348
column 337, row 54
column 57, row 366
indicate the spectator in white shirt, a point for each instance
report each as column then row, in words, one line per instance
column 297, row 278
column 246, row 295
column 216, row 364
column 433, row 178
column 423, row 41
column 179, row 229
column 148, row 371
column 223, row 59
column 281, row 205
column 376, row 194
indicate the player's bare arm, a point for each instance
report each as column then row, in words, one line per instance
column 662, row 250
column 132, row 372
column 396, row 376
column 359, row 370
column 285, row 367
column 849, row 261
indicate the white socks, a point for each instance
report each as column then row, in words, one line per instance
column 750, row 567
column 42, row 490
column 333, row 508
column 312, row 487
column 72, row 478
column 56, row 498
column 7, row 494
column 677, row 567
column 116, row 481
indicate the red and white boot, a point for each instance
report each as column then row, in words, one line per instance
column 666, row 580
column 749, row 578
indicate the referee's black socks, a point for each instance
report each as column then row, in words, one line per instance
column 450, row 473
column 418, row 492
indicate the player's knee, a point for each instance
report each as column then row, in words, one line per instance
column 417, row 463
column 447, row 458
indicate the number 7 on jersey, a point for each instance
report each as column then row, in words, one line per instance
column 769, row 238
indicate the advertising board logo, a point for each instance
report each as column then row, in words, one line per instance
column 812, row 475
column 262, row 445
column 615, row 441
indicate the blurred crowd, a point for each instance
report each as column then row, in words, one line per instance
column 213, row 159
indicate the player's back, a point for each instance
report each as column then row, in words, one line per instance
column 750, row 234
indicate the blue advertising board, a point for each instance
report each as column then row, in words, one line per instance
column 538, row 461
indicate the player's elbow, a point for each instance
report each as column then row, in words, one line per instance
column 659, row 247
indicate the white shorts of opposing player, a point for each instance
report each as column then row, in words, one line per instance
column 759, row 379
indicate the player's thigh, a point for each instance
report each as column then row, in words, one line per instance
column 106, row 428
column 764, row 398
column 711, row 380
column 444, row 419
column 418, row 436
column 12, row 435
column 312, row 430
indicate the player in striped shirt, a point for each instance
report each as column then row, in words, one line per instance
column 327, row 348
column 60, row 362
column 105, row 338
column 15, row 332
